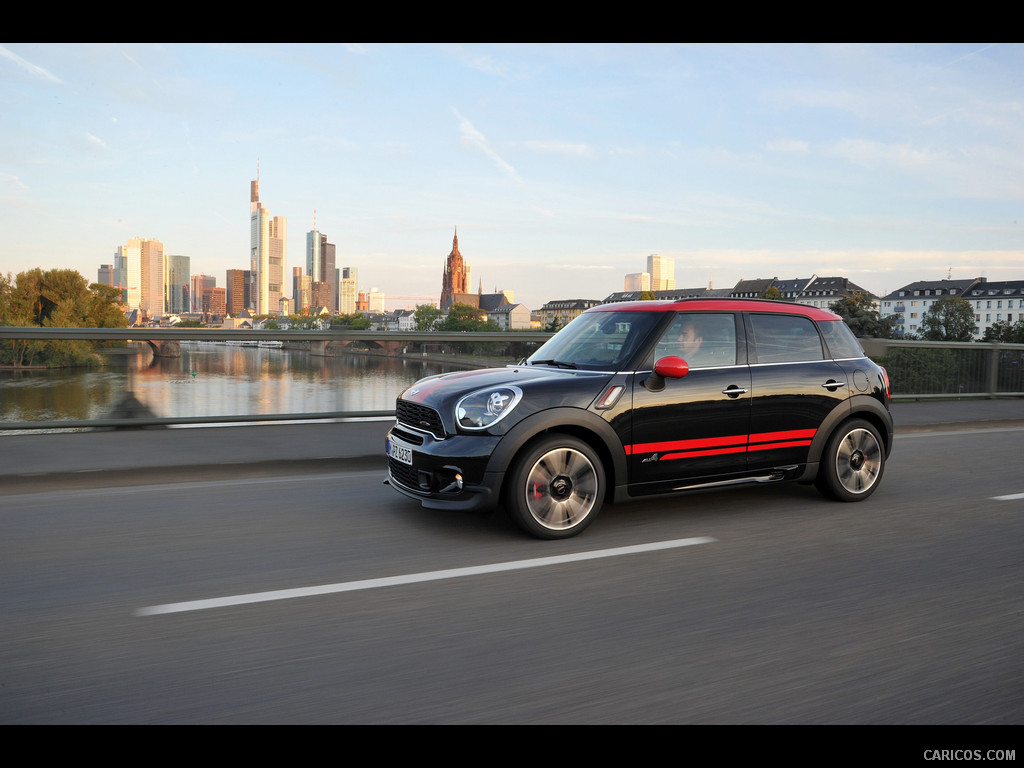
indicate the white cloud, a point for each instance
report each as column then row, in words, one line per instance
column 472, row 138
column 29, row 66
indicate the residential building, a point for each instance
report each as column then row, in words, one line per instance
column 822, row 292
column 564, row 310
column 910, row 303
column 995, row 302
column 752, row 289
column 514, row 317
column 992, row 301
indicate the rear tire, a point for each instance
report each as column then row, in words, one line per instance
column 556, row 487
column 853, row 462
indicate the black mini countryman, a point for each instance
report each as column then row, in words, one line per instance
column 638, row 399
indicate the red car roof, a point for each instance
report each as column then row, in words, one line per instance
column 718, row 305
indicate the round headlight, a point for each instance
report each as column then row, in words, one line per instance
column 487, row 407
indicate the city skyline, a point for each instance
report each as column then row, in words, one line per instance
column 563, row 167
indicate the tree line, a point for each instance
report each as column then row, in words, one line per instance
column 56, row 298
column 949, row 318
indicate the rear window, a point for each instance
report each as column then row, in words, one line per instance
column 841, row 342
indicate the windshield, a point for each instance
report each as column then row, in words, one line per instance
column 597, row 341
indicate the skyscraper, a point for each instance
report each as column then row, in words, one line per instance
column 456, row 275
column 320, row 267
column 235, row 286
column 201, row 285
column 268, row 238
column 637, row 281
column 142, row 262
column 176, row 284
column 302, row 291
column 663, row 272
column 349, row 291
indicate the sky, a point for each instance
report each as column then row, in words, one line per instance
column 561, row 166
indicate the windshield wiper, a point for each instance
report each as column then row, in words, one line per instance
column 558, row 363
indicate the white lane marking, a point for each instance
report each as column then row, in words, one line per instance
column 951, row 432
column 1009, row 497
column 414, row 578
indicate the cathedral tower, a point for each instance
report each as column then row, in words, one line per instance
column 456, row 276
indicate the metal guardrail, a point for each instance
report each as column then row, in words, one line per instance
column 917, row 369
column 920, row 370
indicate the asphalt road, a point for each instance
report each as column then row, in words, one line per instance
column 308, row 592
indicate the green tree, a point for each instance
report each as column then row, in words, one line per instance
column 772, row 292
column 56, row 298
column 426, row 317
column 355, row 321
column 463, row 317
column 858, row 311
column 1006, row 332
column 949, row 319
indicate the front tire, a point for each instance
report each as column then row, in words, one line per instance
column 852, row 465
column 556, row 488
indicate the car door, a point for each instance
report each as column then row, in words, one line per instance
column 794, row 387
column 685, row 430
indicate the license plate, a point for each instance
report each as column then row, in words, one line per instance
column 399, row 451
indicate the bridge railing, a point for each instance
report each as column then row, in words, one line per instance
column 449, row 351
column 917, row 369
column 938, row 369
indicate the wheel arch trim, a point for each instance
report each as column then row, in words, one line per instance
column 572, row 421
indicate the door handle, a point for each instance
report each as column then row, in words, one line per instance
column 832, row 385
column 734, row 391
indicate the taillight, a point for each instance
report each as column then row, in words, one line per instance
column 888, row 387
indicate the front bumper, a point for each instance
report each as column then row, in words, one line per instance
column 445, row 474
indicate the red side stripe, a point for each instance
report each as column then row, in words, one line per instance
column 687, row 445
column 714, row 446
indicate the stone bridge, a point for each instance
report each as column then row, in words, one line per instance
column 334, row 348
column 165, row 348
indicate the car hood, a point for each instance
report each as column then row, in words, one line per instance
column 444, row 390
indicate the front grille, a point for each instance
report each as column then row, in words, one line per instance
column 419, row 417
column 403, row 473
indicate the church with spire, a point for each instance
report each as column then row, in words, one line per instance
column 455, row 285
column 456, row 275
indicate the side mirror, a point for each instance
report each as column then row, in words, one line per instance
column 670, row 367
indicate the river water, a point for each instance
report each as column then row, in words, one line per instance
column 212, row 379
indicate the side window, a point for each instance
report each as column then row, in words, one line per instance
column 702, row 340
column 785, row 339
